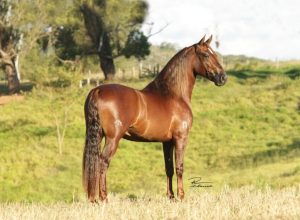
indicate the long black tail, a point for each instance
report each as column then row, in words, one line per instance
column 91, row 154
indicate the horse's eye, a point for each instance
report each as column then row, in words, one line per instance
column 206, row 54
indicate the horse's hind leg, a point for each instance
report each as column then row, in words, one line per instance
column 106, row 155
column 168, row 155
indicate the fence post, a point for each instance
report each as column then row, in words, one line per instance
column 157, row 70
column 133, row 72
column 89, row 78
column 140, row 68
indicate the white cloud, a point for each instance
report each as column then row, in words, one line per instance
column 262, row 28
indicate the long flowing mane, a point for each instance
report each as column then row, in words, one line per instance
column 173, row 78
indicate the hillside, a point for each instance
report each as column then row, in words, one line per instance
column 245, row 133
column 155, row 61
column 161, row 54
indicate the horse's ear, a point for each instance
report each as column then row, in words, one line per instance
column 209, row 40
column 202, row 40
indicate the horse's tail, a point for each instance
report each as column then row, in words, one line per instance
column 91, row 154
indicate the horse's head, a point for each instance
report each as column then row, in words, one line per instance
column 207, row 63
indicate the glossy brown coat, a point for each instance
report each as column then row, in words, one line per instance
column 161, row 112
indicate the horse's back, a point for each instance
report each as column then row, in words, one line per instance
column 109, row 92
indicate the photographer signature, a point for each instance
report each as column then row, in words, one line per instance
column 197, row 182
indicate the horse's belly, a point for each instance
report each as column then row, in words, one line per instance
column 149, row 132
column 154, row 119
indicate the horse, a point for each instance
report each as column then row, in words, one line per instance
column 160, row 112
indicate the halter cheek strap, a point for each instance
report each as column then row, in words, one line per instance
column 208, row 74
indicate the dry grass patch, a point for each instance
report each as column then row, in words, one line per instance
column 243, row 203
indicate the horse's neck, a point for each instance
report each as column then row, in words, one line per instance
column 174, row 84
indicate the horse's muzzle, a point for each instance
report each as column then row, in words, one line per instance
column 220, row 79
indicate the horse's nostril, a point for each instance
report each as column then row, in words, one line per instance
column 223, row 78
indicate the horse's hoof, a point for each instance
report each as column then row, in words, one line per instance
column 93, row 200
column 171, row 197
column 104, row 200
column 181, row 197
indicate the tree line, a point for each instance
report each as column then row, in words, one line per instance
column 62, row 31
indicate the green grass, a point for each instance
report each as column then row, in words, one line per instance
column 245, row 133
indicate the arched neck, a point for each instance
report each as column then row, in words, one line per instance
column 177, row 79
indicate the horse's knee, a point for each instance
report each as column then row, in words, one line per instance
column 179, row 170
column 169, row 172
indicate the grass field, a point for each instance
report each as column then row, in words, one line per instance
column 243, row 203
column 245, row 133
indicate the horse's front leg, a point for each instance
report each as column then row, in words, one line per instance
column 180, row 143
column 168, row 156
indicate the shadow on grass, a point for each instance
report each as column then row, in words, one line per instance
column 246, row 74
column 25, row 87
column 268, row 156
column 263, row 74
column 59, row 83
column 41, row 131
column 293, row 73
column 27, row 127
column 6, row 126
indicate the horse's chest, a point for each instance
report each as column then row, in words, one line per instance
column 159, row 124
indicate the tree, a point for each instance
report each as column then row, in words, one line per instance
column 38, row 33
column 114, row 29
column 10, row 42
column 26, row 28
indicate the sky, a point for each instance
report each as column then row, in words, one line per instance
column 268, row 29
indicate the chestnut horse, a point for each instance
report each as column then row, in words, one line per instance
column 161, row 112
